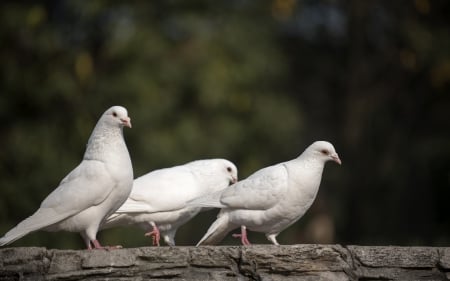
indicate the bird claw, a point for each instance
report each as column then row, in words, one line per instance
column 97, row 246
column 156, row 236
column 244, row 239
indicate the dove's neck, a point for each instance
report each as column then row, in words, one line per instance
column 306, row 174
column 105, row 142
column 314, row 164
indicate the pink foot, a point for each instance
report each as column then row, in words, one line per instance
column 243, row 236
column 155, row 234
column 97, row 246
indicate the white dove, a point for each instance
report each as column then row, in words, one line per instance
column 271, row 199
column 157, row 202
column 92, row 191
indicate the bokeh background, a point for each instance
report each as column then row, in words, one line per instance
column 251, row 81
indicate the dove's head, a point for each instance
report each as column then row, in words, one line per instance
column 224, row 171
column 229, row 170
column 215, row 173
column 117, row 116
column 324, row 151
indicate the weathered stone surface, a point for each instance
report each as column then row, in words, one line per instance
column 389, row 273
column 444, row 260
column 257, row 262
column 219, row 257
column 396, row 256
column 299, row 257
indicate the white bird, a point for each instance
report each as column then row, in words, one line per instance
column 92, row 191
column 271, row 199
column 157, row 202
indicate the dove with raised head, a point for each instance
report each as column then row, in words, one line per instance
column 269, row 200
column 157, row 202
column 91, row 192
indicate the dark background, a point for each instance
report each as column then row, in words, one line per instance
column 252, row 81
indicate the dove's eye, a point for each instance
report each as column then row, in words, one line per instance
column 324, row 151
column 228, row 169
column 114, row 114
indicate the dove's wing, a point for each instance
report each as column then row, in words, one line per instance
column 260, row 191
column 161, row 191
column 87, row 185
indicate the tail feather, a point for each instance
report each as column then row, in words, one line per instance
column 115, row 220
column 132, row 206
column 217, row 231
column 211, row 200
column 42, row 218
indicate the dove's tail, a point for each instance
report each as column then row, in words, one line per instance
column 124, row 215
column 217, row 231
column 115, row 220
column 211, row 200
column 42, row 218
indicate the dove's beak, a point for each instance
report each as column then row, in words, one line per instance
column 126, row 121
column 336, row 158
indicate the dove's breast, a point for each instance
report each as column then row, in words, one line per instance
column 117, row 184
column 122, row 176
column 300, row 194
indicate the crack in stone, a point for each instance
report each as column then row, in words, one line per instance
column 347, row 255
column 251, row 273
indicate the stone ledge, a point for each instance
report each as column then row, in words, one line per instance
column 257, row 262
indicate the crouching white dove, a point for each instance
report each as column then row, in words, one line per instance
column 157, row 202
column 97, row 187
column 271, row 199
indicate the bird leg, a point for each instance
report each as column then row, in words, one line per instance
column 155, row 234
column 169, row 240
column 96, row 244
column 243, row 236
column 273, row 238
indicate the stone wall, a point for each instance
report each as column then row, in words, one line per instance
column 257, row 262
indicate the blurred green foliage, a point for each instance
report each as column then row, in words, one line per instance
column 251, row 81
